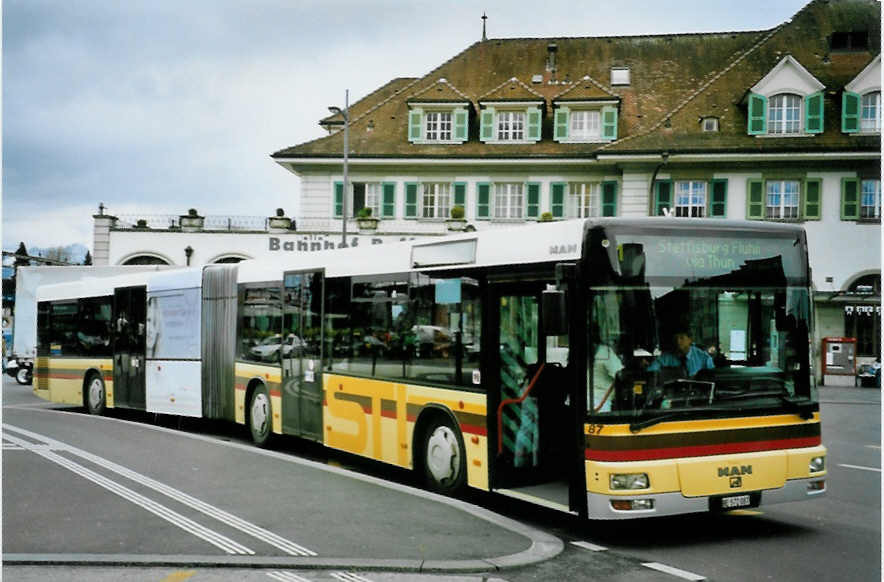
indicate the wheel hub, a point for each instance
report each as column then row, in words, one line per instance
column 443, row 454
column 96, row 393
column 260, row 414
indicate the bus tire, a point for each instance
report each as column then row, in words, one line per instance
column 443, row 456
column 96, row 396
column 23, row 376
column 260, row 417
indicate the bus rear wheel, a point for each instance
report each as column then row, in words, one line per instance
column 260, row 416
column 444, row 458
column 95, row 395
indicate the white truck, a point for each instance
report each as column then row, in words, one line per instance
column 20, row 365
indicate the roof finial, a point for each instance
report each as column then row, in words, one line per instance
column 484, row 18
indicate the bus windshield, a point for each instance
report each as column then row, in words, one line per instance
column 688, row 329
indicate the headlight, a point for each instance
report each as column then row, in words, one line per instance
column 817, row 464
column 630, row 481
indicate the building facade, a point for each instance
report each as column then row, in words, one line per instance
column 780, row 124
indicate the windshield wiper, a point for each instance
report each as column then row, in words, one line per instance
column 803, row 408
column 643, row 424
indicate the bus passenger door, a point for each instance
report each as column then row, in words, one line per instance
column 529, row 400
column 301, row 354
column 129, row 321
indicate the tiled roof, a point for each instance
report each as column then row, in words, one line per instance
column 586, row 89
column 439, row 92
column 675, row 81
column 511, row 90
column 370, row 100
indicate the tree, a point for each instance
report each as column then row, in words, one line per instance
column 21, row 256
column 87, row 260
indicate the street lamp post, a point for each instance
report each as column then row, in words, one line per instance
column 345, row 113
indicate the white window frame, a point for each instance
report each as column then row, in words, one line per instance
column 870, row 200
column 435, row 201
column 373, row 197
column 710, row 124
column 438, row 125
column 584, row 199
column 585, row 125
column 781, row 106
column 870, row 112
column 509, row 201
column 690, row 198
column 777, row 196
column 511, row 125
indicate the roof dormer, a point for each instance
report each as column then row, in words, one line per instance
column 585, row 112
column 438, row 114
column 861, row 101
column 786, row 102
column 512, row 112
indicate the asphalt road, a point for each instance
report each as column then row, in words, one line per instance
column 202, row 504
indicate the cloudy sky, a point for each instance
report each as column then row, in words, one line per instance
column 156, row 106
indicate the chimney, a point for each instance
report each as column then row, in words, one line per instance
column 551, row 50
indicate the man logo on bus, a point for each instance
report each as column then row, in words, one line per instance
column 736, row 482
column 733, row 471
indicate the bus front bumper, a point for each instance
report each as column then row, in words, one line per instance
column 662, row 504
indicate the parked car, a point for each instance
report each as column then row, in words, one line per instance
column 21, row 370
column 267, row 349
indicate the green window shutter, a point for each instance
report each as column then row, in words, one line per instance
column 557, row 199
column 411, row 199
column 415, row 117
column 662, row 196
column 755, row 199
column 339, row 199
column 849, row 199
column 487, row 124
column 561, row 123
column 532, row 208
column 813, row 198
column 388, row 206
column 850, row 112
column 718, row 200
column 609, row 198
column 757, row 114
column 461, row 124
column 813, row 113
column 460, row 194
column 533, row 115
column 609, row 122
column 483, row 200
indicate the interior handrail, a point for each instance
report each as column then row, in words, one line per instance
column 518, row 400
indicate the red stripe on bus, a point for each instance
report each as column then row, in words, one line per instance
column 65, row 376
column 474, row 429
column 701, row 450
column 389, row 414
column 277, row 393
column 240, row 387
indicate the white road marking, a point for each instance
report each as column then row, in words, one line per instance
column 873, row 447
column 674, row 571
column 875, row 469
column 589, row 546
column 284, row 576
column 348, row 577
column 233, row 521
column 228, row 545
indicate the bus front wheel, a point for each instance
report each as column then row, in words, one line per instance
column 444, row 458
column 260, row 416
column 95, row 396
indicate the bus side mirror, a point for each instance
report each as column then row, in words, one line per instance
column 555, row 313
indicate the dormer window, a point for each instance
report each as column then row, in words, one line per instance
column 586, row 122
column 438, row 126
column 510, row 123
column 784, row 114
column 788, row 101
column 511, row 126
column 710, row 124
column 861, row 101
column 585, row 125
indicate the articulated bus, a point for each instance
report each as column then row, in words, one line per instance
column 609, row 368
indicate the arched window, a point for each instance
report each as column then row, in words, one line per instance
column 784, row 114
column 229, row 260
column 145, row 260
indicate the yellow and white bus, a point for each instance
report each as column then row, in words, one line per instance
column 609, row 368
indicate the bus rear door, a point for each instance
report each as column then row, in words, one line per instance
column 130, row 310
column 301, row 354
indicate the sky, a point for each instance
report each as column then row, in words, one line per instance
column 152, row 107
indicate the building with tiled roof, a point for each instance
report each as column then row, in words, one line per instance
column 779, row 124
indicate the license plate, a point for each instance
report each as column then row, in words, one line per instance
column 736, row 501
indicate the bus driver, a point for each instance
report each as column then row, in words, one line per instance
column 687, row 356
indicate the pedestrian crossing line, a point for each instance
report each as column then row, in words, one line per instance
column 216, row 539
column 349, row 577
column 684, row 574
column 873, row 447
column 284, row 576
column 860, row 467
column 589, row 546
column 229, row 519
